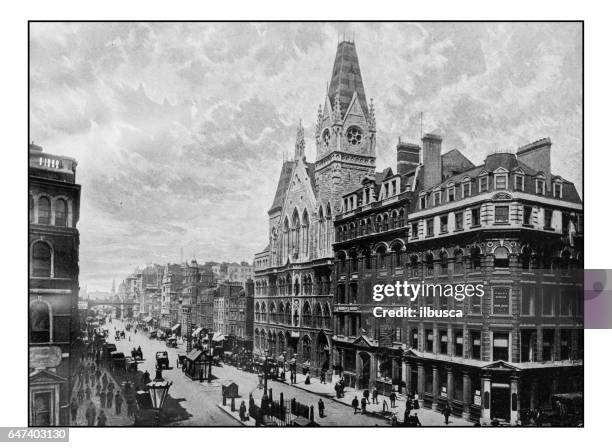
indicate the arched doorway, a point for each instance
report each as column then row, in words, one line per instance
column 323, row 352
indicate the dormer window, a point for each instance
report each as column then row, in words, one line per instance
column 519, row 182
column 540, row 186
column 437, row 198
column 393, row 188
column 466, row 188
column 558, row 190
column 366, row 195
column 483, row 183
column 387, row 190
column 501, row 181
column 450, row 194
column 423, row 202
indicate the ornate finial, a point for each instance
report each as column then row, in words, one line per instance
column 372, row 115
column 319, row 122
column 300, row 143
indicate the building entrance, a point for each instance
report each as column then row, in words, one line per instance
column 500, row 401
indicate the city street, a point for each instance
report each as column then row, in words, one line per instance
column 199, row 401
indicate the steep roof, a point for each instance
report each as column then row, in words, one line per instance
column 346, row 78
column 283, row 185
column 454, row 162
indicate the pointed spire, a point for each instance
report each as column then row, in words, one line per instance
column 372, row 115
column 346, row 78
column 300, row 144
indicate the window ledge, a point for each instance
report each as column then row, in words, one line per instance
column 458, row 230
column 475, row 226
column 530, row 226
column 549, row 228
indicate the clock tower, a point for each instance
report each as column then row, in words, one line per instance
column 345, row 132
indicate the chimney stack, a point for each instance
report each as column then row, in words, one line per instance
column 536, row 155
column 432, row 160
column 408, row 157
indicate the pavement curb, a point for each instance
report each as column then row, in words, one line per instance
column 231, row 414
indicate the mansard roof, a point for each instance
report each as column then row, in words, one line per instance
column 346, row 78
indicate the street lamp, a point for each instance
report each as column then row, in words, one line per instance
column 158, row 390
column 265, row 366
column 210, row 356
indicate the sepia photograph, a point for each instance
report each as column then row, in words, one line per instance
column 305, row 224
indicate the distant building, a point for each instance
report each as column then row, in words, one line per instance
column 54, row 199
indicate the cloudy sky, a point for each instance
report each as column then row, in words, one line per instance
column 180, row 129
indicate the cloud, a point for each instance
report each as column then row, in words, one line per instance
column 180, row 128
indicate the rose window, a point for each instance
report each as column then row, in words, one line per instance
column 353, row 135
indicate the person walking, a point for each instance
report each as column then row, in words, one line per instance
column 242, row 412
column 109, row 399
column 392, row 398
column 375, row 395
column 102, row 418
column 321, row 408
column 366, row 395
column 74, row 408
column 90, row 414
column 355, row 404
column 364, row 402
column 111, row 387
column 118, row 403
column 385, row 407
column 447, row 413
column 323, row 376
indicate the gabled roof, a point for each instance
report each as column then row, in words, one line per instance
column 454, row 162
column 346, row 78
column 283, row 184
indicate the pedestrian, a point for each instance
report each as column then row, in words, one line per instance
column 103, row 398
column 111, row 387
column 321, row 408
column 118, row 403
column 407, row 416
column 307, row 379
column 415, row 419
column 104, row 381
column 88, row 393
column 322, row 376
column 130, row 406
column 447, row 413
column 375, row 395
column 90, row 414
column 355, row 404
column 109, row 399
column 102, row 418
column 74, row 407
column 366, row 395
column 392, row 398
column 364, row 402
column 242, row 412
column 385, row 406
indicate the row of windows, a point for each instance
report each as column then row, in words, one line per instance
column 500, row 182
column 47, row 212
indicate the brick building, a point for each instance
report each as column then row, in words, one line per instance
column 508, row 224
column 54, row 198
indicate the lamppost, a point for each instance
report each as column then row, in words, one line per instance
column 210, row 356
column 158, row 390
column 265, row 366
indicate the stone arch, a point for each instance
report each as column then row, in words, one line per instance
column 322, row 352
column 42, row 259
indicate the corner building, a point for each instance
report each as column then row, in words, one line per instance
column 293, row 274
column 508, row 224
column 54, row 199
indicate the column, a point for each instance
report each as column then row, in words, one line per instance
column 373, row 369
column 486, row 400
column 420, row 383
column 408, row 376
column 436, row 387
column 514, row 400
column 404, row 377
column 450, row 385
column 467, row 395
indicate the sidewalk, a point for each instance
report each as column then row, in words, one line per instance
column 427, row 417
column 112, row 419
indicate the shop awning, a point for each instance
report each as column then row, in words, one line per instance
column 196, row 332
column 218, row 337
column 176, row 328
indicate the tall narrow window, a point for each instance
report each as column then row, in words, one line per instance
column 475, row 338
column 501, row 181
column 483, row 183
column 519, row 182
column 548, row 218
column 475, row 217
column 41, row 260
column 444, row 224
column 61, row 215
column 527, row 215
column 44, row 211
column 459, row 221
